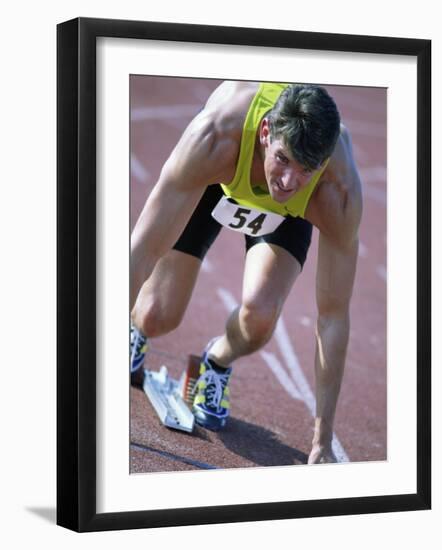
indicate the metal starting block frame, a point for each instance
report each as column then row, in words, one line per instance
column 165, row 394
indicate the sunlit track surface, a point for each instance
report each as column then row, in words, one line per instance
column 272, row 390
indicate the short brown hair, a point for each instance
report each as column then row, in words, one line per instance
column 306, row 118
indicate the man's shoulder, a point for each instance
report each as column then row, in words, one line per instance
column 208, row 149
column 227, row 106
column 341, row 168
column 231, row 95
column 214, row 135
column 336, row 205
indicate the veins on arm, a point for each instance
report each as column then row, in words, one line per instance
column 336, row 210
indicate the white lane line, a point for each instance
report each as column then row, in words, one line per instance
column 227, row 298
column 138, row 170
column 292, row 362
column 363, row 250
column 279, row 372
column 305, row 321
column 207, row 265
column 301, row 385
column 163, row 112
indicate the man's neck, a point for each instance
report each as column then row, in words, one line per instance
column 257, row 174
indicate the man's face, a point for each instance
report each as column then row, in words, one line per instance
column 284, row 175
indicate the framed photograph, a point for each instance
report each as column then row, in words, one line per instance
column 140, row 453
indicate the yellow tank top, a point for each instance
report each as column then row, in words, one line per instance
column 240, row 188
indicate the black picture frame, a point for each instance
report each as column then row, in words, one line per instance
column 76, row 273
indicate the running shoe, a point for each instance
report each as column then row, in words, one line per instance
column 138, row 348
column 211, row 405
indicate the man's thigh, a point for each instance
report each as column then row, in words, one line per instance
column 166, row 294
column 202, row 229
column 274, row 261
column 269, row 274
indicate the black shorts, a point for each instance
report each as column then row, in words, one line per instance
column 294, row 234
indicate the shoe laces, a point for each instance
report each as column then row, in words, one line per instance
column 137, row 341
column 215, row 385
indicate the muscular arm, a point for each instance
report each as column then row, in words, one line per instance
column 334, row 284
column 161, row 221
column 337, row 213
column 198, row 160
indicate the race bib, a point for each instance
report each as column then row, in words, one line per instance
column 245, row 219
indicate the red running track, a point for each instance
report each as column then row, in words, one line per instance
column 271, row 390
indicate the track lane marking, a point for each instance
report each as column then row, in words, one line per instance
column 163, row 112
column 363, row 250
column 281, row 375
column 138, row 170
column 292, row 363
column 294, row 366
column 171, row 456
column 207, row 265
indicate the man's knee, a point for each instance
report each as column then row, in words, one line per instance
column 155, row 320
column 259, row 322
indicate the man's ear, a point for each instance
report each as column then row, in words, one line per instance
column 264, row 132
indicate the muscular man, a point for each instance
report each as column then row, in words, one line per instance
column 269, row 160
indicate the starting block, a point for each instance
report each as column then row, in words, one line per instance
column 172, row 399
